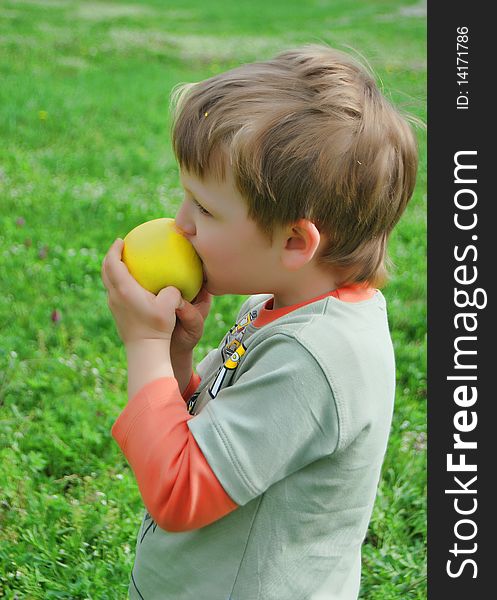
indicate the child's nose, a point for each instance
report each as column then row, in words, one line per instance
column 184, row 222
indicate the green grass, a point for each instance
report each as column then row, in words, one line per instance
column 85, row 156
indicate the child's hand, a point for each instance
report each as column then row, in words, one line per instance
column 138, row 313
column 190, row 323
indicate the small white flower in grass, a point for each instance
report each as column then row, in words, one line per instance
column 119, row 476
column 413, row 441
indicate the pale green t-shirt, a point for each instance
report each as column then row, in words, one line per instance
column 295, row 425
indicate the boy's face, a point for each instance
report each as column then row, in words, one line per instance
column 237, row 257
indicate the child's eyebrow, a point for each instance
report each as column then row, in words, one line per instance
column 195, row 195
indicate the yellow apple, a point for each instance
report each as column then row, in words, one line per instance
column 157, row 256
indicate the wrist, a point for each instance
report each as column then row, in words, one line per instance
column 141, row 343
column 183, row 357
column 183, row 367
column 148, row 360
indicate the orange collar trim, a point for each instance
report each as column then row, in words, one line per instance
column 349, row 293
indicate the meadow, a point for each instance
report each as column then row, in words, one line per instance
column 85, row 156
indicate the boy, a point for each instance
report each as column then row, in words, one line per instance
column 259, row 471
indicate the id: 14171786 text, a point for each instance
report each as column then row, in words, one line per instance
column 462, row 63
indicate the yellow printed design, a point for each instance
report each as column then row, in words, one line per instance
column 230, row 365
column 232, row 361
column 236, row 333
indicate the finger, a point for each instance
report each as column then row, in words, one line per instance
column 110, row 256
column 170, row 297
column 117, row 273
column 190, row 317
column 201, row 296
column 108, row 286
column 105, row 279
column 103, row 274
column 203, row 302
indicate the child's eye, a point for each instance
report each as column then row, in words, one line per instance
column 200, row 207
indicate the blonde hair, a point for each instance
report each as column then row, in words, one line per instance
column 308, row 134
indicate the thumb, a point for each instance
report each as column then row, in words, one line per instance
column 170, row 297
column 190, row 317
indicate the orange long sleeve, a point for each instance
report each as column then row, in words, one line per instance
column 177, row 485
column 191, row 387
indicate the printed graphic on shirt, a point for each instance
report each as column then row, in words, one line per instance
column 191, row 403
column 231, row 353
column 235, row 334
column 230, row 365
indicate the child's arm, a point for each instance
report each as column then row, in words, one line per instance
column 182, row 368
column 159, row 332
column 177, row 485
column 186, row 335
column 147, row 360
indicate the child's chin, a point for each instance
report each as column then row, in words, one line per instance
column 220, row 288
column 214, row 289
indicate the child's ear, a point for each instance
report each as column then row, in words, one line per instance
column 300, row 244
